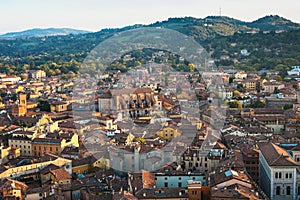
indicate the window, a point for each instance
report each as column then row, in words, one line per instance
column 286, row 175
column 34, row 147
column 278, row 190
column 280, row 176
column 179, row 184
column 276, row 175
column 51, row 149
column 166, row 184
column 288, row 190
column 290, row 175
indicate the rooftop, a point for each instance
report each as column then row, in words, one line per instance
column 275, row 155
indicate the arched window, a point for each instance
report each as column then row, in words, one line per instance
column 288, row 190
column 276, row 175
column 278, row 190
column 280, row 175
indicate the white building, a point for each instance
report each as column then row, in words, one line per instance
column 12, row 79
column 277, row 173
column 295, row 71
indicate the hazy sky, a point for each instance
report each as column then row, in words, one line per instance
column 17, row 15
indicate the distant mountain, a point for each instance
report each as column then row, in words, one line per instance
column 199, row 28
column 274, row 22
column 37, row 32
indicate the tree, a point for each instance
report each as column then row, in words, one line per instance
column 236, row 93
column 23, row 77
column 14, row 97
column 276, row 91
column 44, row 106
column 278, row 78
column 258, row 104
column 191, row 67
column 287, row 106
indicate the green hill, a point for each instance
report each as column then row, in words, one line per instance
column 61, row 54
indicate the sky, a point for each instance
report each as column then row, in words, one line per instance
column 93, row 15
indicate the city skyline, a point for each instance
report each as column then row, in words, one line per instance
column 93, row 15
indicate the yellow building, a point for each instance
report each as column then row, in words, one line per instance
column 35, row 167
column 102, row 163
column 45, row 124
column 22, row 140
column 2, row 105
column 83, row 165
column 34, row 95
column 19, row 89
column 31, row 105
column 59, row 107
column 4, row 152
column 37, row 74
column 168, row 133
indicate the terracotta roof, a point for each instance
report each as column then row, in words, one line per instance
column 219, row 145
column 47, row 169
column 148, row 179
column 236, row 191
column 162, row 193
column 83, row 161
column 13, row 184
column 224, row 176
column 23, row 133
column 59, row 103
column 61, row 174
column 275, row 155
column 46, row 140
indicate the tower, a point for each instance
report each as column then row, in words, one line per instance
column 22, row 100
column 21, row 108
